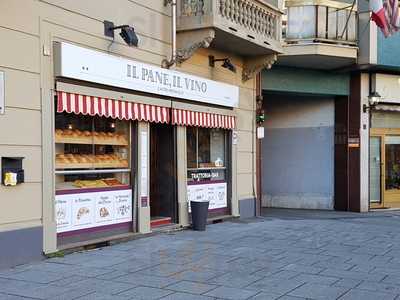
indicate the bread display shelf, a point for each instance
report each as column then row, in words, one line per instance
column 90, row 140
column 90, row 165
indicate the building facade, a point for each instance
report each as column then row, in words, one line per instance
column 378, row 88
column 331, row 107
column 305, row 100
column 101, row 142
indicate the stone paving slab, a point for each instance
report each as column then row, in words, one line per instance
column 287, row 255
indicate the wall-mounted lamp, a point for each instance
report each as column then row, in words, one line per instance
column 127, row 33
column 227, row 64
column 373, row 99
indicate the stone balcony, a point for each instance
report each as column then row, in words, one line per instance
column 320, row 34
column 249, row 28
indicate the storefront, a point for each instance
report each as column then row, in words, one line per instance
column 120, row 129
column 384, row 144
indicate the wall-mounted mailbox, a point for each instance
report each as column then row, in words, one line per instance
column 12, row 172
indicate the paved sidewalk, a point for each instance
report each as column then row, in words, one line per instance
column 303, row 256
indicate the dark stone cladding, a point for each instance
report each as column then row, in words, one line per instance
column 21, row 246
column 247, row 208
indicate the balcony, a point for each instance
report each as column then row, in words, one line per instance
column 249, row 28
column 320, row 34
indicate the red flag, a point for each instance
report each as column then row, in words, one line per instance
column 378, row 15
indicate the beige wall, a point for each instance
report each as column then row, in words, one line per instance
column 245, row 149
column 25, row 56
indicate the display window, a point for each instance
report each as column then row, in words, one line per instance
column 207, row 165
column 93, row 177
column 91, row 152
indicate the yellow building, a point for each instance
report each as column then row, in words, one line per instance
column 99, row 142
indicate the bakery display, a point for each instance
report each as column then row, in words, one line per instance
column 88, row 137
column 83, row 161
column 97, row 183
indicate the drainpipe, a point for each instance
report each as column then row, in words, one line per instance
column 169, row 63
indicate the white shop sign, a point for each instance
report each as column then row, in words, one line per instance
column 94, row 66
column 87, row 210
column 213, row 192
column 388, row 86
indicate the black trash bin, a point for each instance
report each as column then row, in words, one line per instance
column 199, row 214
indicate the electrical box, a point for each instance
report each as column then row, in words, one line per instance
column 12, row 172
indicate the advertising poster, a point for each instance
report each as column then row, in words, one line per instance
column 216, row 193
column 123, row 206
column 63, row 213
column 104, row 209
column 88, row 210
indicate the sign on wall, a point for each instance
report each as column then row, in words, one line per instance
column 94, row 66
column 88, row 210
column 213, row 192
column 2, row 93
column 144, row 181
column 388, row 86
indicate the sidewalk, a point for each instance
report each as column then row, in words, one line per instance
column 275, row 257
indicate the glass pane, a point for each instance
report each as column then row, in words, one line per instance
column 204, row 148
column 86, row 146
column 392, row 162
column 375, row 170
column 217, row 147
column 191, row 136
column 301, row 22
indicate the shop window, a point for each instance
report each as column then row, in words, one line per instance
column 392, row 159
column 93, row 177
column 207, row 167
column 206, row 150
column 91, row 152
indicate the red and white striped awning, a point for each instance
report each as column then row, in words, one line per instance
column 202, row 119
column 105, row 107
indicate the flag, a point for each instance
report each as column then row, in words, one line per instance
column 379, row 16
column 391, row 8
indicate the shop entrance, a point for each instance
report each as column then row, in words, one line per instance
column 163, row 199
column 384, row 168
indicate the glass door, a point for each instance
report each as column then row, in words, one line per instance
column 375, row 172
column 392, row 171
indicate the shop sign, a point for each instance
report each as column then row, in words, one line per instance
column 94, row 66
column 88, row 210
column 388, row 86
column 2, row 93
column 215, row 193
column 144, row 182
column 234, row 137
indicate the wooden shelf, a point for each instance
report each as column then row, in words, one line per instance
column 90, row 165
column 90, row 140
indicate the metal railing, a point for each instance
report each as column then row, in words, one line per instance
column 323, row 21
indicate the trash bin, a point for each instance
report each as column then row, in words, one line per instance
column 199, row 214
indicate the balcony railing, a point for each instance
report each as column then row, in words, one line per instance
column 253, row 20
column 323, row 21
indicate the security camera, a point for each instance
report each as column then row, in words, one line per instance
column 127, row 33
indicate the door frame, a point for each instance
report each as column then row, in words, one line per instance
column 174, row 188
column 389, row 198
column 379, row 134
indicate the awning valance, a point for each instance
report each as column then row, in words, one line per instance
column 111, row 108
column 202, row 119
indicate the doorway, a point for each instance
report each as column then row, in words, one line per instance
column 163, row 196
column 384, row 168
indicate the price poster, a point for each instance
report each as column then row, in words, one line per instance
column 88, row 210
column 215, row 193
